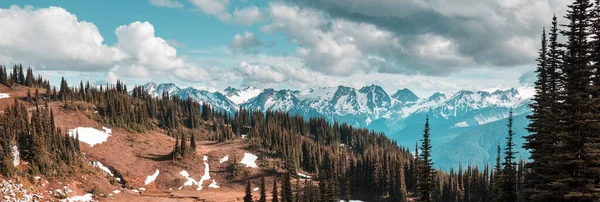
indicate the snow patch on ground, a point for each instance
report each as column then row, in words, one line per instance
column 91, row 136
column 225, row 158
column 116, row 191
column 191, row 181
column 86, row 197
column 213, row 185
column 255, row 189
column 351, row 201
column 104, row 168
column 205, row 158
column 16, row 155
column 4, row 95
column 151, row 178
column 304, row 176
column 249, row 160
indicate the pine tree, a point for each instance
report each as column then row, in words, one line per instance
column 286, row 189
column 248, row 196
column 507, row 183
column 579, row 157
column 263, row 191
column 193, row 143
column 496, row 178
column 426, row 172
column 274, row 193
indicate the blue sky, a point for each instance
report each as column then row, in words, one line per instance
column 211, row 44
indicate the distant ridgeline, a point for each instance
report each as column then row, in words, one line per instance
column 348, row 162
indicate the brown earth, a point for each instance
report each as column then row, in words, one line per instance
column 138, row 155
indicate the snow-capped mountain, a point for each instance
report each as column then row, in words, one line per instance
column 269, row 99
column 400, row 115
column 241, row 96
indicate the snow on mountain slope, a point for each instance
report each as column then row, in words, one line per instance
column 361, row 106
column 215, row 99
column 242, row 96
column 269, row 99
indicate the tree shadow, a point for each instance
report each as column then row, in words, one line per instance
column 156, row 157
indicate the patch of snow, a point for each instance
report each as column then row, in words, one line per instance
column 103, row 168
column 191, row 181
column 86, row 197
column 151, row 178
column 16, row 156
column 526, row 92
column 244, row 136
column 255, row 189
column 351, row 201
column 304, row 176
column 461, row 124
column 249, row 160
column 244, row 95
column 224, row 159
column 142, row 189
column 91, row 136
column 213, row 185
column 205, row 158
column 116, row 191
column 206, row 175
column 4, row 95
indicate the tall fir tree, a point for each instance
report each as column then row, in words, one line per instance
column 579, row 157
column 426, row 171
column 274, row 192
column 507, row 183
column 263, row 191
column 248, row 196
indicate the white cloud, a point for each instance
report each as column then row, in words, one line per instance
column 259, row 74
column 167, row 3
column 245, row 43
column 138, row 40
column 212, row 7
column 332, row 46
column 53, row 38
column 248, row 16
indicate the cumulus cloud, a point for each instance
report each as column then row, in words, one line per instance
column 527, row 78
column 138, row 40
column 220, row 9
column 248, row 16
column 167, row 3
column 53, row 38
column 478, row 33
column 332, row 45
column 213, row 7
column 246, row 43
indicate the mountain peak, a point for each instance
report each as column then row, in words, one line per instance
column 405, row 95
column 437, row 96
column 230, row 89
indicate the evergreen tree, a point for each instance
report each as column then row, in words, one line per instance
column 286, row 189
column 579, row 157
column 263, row 191
column 274, row 193
column 248, row 196
column 193, row 143
column 507, row 183
column 426, row 172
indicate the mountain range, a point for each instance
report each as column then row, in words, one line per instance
column 472, row 122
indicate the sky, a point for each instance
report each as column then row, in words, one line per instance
column 423, row 45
